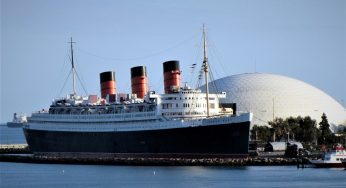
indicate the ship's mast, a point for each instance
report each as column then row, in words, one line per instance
column 206, row 69
column 73, row 69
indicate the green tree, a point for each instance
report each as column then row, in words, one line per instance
column 300, row 129
column 309, row 132
column 262, row 133
column 343, row 131
column 326, row 136
column 294, row 129
column 280, row 126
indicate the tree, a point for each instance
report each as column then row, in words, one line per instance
column 262, row 133
column 343, row 131
column 326, row 135
column 280, row 126
column 300, row 129
column 295, row 129
column 309, row 130
column 324, row 125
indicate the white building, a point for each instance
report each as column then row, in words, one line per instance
column 269, row 96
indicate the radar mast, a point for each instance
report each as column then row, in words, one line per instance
column 73, row 70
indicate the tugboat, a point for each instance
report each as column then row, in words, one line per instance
column 18, row 121
column 182, row 122
column 331, row 159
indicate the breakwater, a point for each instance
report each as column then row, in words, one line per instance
column 16, row 153
column 150, row 161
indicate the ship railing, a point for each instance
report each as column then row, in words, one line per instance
column 94, row 117
column 193, row 122
column 222, row 119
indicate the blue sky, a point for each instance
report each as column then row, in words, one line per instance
column 303, row 39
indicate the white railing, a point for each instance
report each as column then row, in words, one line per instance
column 93, row 117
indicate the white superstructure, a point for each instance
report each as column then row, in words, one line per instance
column 184, row 108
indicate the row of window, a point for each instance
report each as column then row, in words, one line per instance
column 188, row 105
column 197, row 105
column 92, row 117
column 181, row 113
column 106, row 110
column 188, row 98
column 188, row 92
column 91, row 122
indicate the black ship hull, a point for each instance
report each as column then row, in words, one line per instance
column 226, row 140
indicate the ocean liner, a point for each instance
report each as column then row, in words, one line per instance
column 182, row 122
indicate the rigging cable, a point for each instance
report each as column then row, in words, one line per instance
column 85, row 91
column 79, row 78
column 62, row 71
column 68, row 76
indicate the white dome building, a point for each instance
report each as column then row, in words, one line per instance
column 268, row 96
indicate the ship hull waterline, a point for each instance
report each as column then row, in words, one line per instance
column 222, row 141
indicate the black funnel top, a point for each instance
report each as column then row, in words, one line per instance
column 107, row 76
column 138, row 71
column 171, row 66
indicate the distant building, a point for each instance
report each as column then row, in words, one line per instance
column 269, row 96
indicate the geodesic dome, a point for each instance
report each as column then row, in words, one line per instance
column 269, row 96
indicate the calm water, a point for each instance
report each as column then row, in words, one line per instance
column 11, row 135
column 81, row 176
column 41, row 175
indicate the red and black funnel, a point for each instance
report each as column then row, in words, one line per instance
column 107, row 82
column 139, row 81
column 171, row 74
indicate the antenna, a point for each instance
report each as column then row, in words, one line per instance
column 73, row 69
column 206, row 69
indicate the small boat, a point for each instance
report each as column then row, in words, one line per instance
column 18, row 121
column 332, row 159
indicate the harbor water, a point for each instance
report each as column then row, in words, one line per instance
column 11, row 135
column 47, row 175
column 58, row 175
